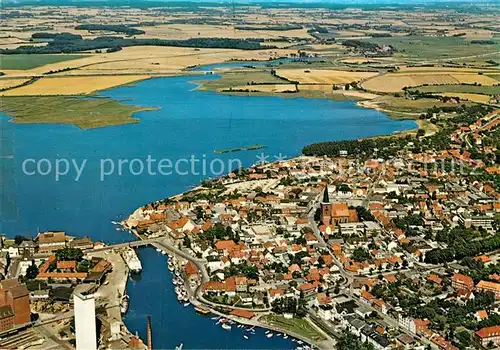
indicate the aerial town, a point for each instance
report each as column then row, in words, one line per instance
column 378, row 229
column 400, row 252
column 392, row 247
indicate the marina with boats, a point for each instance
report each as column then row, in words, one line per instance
column 183, row 290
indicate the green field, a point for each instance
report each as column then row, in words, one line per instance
column 241, row 78
column 296, row 325
column 33, row 61
column 400, row 104
column 422, row 47
column 467, row 89
column 84, row 113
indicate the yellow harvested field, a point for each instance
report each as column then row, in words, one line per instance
column 72, row 85
column 473, row 78
column 7, row 83
column 308, row 87
column 394, row 82
column 424, row 70
column 469, row 97
column 185, row 31
column 323, row 76
column 277, row 88
column 357, row 60
column 148, row 59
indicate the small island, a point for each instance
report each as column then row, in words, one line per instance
column 249, row 148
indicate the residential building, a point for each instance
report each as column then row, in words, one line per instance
column 486, row 286
column 488, row 335
column 462, row 282
column 49, row 242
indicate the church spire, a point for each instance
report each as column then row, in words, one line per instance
column 326, row 198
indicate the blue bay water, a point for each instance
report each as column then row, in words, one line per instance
column 187, row 123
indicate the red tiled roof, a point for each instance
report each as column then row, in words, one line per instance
column 224, row 245
column 488, row 332
column 66, row 264
column 191, row 269
column 243, row 314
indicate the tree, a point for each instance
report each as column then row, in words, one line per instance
column 187, row 242
column 349, row 341
column 464, row 338
column 360, row 254
column 20, row 239
column 32, row 271
column 69, row 254
column 84, row 266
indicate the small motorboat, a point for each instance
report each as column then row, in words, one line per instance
column 226, row 326
column 245, row 337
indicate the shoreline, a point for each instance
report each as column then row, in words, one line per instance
column 360, row 98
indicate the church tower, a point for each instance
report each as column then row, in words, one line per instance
column 326, row 208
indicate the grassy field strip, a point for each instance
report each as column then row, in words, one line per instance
column 83, row 112
column 23, row 62
column 299, row 326
column 276, row 88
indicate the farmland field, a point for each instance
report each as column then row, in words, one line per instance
column 469, row 97
column 72, row 85
column 466, row 89
column 423, row 47
column 398, row 104
column 322, row 76
column 7, row 83
column 394, row 82
column 23, row 62
column 241, row 78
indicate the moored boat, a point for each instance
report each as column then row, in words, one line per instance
column 226, row 326
column 201, row 310
column 132, row 260
column 124, row 302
